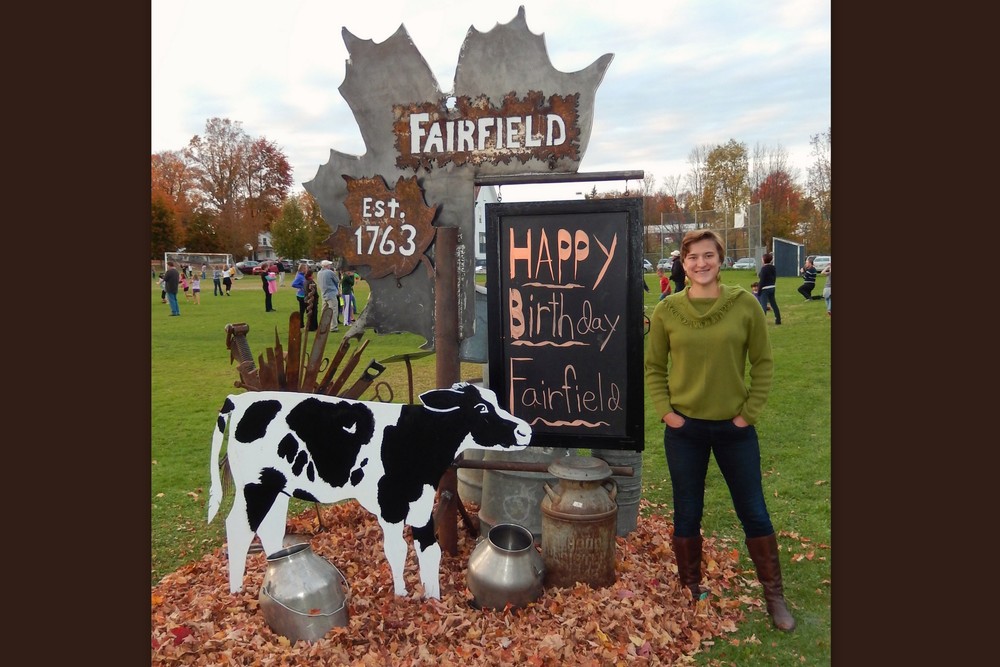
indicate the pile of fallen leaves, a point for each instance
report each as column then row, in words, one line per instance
column 645, row 617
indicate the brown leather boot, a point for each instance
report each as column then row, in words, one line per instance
column 687, row 551
column 764, row 553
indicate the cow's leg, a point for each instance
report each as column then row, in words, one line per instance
column 272, row 528
column 238, row 535
column 428, row 550
column 429, row 559
column 395, row 553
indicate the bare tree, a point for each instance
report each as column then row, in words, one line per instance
column 696, row 177
column 819, row 185
column 672, row 186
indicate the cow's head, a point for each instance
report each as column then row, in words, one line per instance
column 489, row 424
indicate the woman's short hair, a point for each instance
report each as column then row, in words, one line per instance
column 696, row 235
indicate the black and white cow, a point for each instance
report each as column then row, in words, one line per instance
column 325, row 449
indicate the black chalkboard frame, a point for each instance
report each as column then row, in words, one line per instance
column 623, row 216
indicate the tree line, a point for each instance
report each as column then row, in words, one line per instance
column 726, row 180
column 224, row 187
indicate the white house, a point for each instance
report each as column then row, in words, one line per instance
column 485, row 194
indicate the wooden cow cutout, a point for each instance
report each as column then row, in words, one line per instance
column 324, row 449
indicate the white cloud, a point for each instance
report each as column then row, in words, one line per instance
column 686, row 73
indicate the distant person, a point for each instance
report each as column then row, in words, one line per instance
column 755, row 288
column 808, row 273
column 204, row 272
column 826, row 287
column 299, row 285
column 163, row 289
column 328, row 285
column 216, row 281
column 227, row 278
column 347, row 290
column 171, row 280
column 677, row 274
column 701, row 342
column 312, row 302
column 768, row 277
column 664, row 283
column 196, row 289
column 267, row 278
column 186, row 287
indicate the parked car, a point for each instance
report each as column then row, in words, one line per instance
column 727, row 263
column 746, row 263
column 647, row 266
column 666, row 264
column 247, row 267
column 821, row 262
column 481, row 266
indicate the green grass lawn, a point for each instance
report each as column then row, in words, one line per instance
column 191, row 375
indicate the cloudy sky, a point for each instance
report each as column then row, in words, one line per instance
column 685, row 74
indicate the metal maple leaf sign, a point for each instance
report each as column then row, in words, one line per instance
column 511, row 113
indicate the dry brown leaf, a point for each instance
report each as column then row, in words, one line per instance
column 644, row 617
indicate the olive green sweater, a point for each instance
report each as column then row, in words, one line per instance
column 698, row 352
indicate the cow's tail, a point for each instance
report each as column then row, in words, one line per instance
column 215, row 466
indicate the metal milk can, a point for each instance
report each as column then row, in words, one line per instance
column 303, row 595
column 505, row 568
column 579, row 520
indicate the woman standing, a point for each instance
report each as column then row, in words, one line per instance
column 828, row 287
column 768, row 276
column 227, row 278
column 312, row 300
column 700, row 341
column 347, row 291
column 299, row 285
column 267, row 277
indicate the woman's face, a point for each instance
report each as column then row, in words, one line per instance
column 702, row 262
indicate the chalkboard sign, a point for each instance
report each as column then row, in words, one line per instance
column 564, row 296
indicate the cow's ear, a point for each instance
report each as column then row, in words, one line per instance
column 441, row 400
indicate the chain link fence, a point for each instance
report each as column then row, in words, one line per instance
column 740, row 233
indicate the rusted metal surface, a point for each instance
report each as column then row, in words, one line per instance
column 578, row 177
column 368, row 376
column 464, row 130
column 505, row 72
column 525, row 466
column 447, row 370
column 277, row 371
column 389, row 230
column 578, row 533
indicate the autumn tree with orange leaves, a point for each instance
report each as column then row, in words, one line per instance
column 219, row 192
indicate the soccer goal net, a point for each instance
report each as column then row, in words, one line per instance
column 196, row 260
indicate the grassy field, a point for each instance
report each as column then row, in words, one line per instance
column 191, row 375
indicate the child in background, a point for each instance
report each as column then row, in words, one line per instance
column 185, row 286
column 755, row 288
column 196, row 289
column 664, row 284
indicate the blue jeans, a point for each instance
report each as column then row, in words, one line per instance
column 737, row 451
column 172, row 300
column 765, row 296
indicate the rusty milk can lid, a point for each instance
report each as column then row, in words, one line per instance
column 580, row 468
